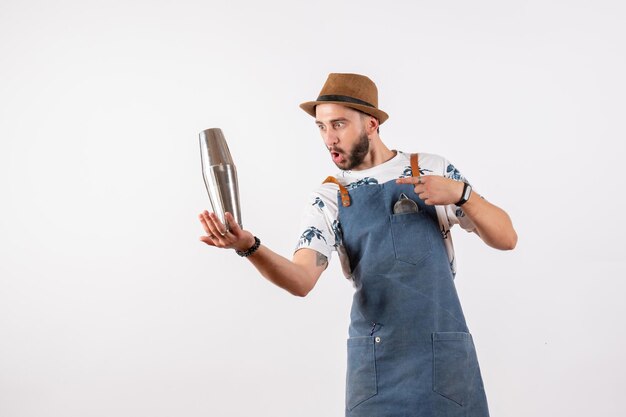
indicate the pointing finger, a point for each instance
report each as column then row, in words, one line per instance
column 410, row 180
column 406, row 180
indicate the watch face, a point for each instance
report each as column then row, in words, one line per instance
column 468, row 191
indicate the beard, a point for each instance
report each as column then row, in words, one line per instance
column 357, row 154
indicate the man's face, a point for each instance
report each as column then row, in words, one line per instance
column 344, row 134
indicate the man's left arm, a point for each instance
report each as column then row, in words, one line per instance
column 493, row 224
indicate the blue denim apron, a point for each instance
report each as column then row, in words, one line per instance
column 410, row 352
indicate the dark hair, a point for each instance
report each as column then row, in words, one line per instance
column 368, row 115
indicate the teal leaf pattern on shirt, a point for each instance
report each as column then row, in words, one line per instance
column 408, row 172
column 318, row 202
column 444, row 232
column 337, row 231
column 362, row 182
column 453, row 173
column 309, row 234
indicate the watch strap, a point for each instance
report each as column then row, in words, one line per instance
column 465, row 195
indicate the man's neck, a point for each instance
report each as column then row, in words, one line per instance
column 378, row 154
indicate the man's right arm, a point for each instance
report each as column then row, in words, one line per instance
column 297, row 276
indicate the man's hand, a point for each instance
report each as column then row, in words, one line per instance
column 298, row 276
column 435, row 190
column 216, row 235
column 493, row 224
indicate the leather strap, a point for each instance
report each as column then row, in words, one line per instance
column 345, row 197
column 415, row 168
column 345, row 99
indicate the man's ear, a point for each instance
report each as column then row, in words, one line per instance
column 372, row 124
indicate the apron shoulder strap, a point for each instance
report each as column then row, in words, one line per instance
column 415, row 168
column 345, row 197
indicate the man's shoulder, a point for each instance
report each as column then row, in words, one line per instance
column 429, row 163
column 325, row 188
column 424, row 158
column 432, row 163
column 326, row 192
column 431, row 158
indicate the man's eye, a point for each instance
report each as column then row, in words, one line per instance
column 321, row 127
column 338, row 125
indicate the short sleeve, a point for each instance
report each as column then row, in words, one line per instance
column 316, row 227
column 454, row 213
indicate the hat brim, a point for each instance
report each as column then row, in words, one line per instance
column 309, row 107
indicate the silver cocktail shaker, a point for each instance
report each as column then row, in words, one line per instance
column 220, row 175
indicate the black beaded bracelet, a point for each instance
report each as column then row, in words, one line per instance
column 257, row 243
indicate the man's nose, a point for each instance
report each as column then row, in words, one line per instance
column 330, row 139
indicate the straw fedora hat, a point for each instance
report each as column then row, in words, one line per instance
column 350, row 90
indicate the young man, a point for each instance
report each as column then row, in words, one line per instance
column 388, row 215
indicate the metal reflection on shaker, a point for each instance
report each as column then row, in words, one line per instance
column 220, row 175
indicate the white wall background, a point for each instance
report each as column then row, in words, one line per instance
column 109, row 304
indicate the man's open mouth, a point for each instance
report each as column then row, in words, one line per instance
column 337, row 157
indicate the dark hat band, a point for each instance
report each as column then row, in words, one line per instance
column 345, row 99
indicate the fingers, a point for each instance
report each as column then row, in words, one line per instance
column 203, row 221
column 208, row 240
column 216, row 227
column 221, row 227
column 222, row 237
column 422, row 179
column 217, row 233
column 212, row 226
column 233, row 225
column 409, row 180
column 419, row 183
column 212, row 229
column 420, row 187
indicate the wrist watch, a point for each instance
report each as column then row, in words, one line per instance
column 467, row 191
